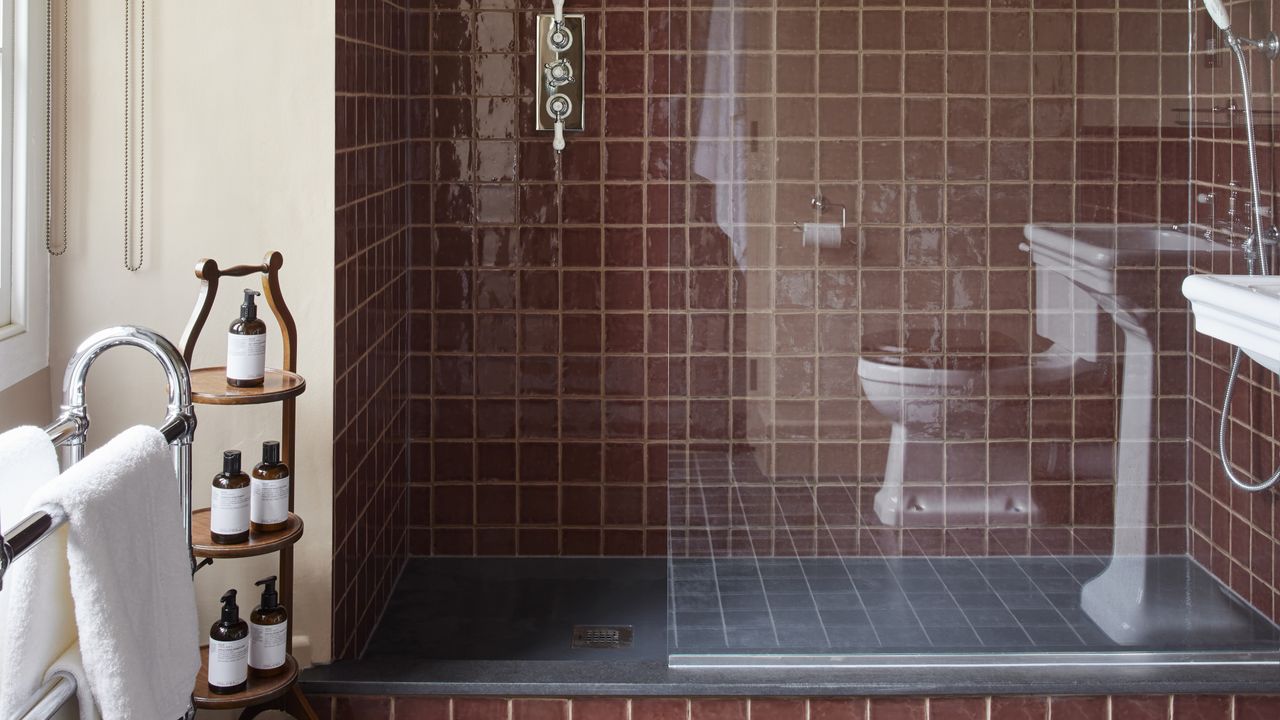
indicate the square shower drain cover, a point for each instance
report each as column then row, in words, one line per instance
column 602, row 637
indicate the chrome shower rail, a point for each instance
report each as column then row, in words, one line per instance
column 70, row 431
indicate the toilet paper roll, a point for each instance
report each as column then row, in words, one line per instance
column 821, row 235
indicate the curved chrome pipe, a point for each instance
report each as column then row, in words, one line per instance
column 49, row 699
column 71, row 429
column 75, row 410
column 72, row 424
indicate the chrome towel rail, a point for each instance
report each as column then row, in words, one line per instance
column 69, row 433
column 49, row 699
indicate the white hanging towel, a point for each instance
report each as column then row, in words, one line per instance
column 135, row 604
column 723, row 139
column 35, row 605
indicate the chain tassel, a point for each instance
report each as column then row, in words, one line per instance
column 48, row 127
column 129, row 263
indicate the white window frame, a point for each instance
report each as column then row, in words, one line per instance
column 24, row 328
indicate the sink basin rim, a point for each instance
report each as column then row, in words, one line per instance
column 1243, row 310
column 1071, row 243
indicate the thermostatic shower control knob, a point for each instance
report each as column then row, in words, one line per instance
column 558, row 73
column 559, row 106
column 560, row 39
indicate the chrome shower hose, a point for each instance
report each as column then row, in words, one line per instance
column 1252, row 249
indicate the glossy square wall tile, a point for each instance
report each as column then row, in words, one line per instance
column 533, row 342
column 1233, row 533
column 371, row 455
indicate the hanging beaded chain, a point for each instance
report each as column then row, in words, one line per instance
column 142, row 138
column 48, row 127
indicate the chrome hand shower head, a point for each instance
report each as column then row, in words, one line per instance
column 1218, row 12
column 1268, row 45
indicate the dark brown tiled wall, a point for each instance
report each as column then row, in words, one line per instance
column 1233, row 532
column 536, row 332
column 575, row 326
column 967, row 124
column 1140, row 707
column 370, row 502
column 568, row 327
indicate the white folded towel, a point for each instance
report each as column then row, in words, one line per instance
column 71, row 664
column 135, row 603
column 35, row 606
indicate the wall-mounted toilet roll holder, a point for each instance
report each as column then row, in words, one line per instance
column 821, row 204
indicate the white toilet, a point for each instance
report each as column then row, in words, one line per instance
column 911, row 392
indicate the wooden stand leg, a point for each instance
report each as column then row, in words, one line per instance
column 294, row 703
column 297, row 705
column 254, row 711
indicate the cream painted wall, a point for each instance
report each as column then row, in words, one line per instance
column 240, row 137
column 26, row 403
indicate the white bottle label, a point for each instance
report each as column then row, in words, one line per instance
column 270, row 501
column 229, row 511
column 266, row 645
column 246, row 356
column 228, row 662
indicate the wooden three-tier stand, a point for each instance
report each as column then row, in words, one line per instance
column 209, row 387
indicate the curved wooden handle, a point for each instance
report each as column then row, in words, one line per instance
column 242, row 270
column 209, row 273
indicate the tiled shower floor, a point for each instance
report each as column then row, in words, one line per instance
column 932, row 605
column 525, row 609
column 503, row 626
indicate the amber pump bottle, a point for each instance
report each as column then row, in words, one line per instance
column 270, row 504
column 268, row 632
column 230, row 501
column 229, row 649
column 247, row 346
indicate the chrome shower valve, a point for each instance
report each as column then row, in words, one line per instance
column 559, row 106
column 559, row 38
column 558, row 73
column 560, row 65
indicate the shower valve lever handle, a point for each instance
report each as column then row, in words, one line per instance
column 557, row 144
column 558, row 107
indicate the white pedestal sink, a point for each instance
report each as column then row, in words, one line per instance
column 1077, row 262
column 1243, row 310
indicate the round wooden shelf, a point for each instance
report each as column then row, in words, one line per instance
column 259, row 690
column 209, row 387
column 203, row 546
